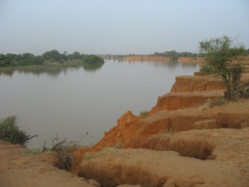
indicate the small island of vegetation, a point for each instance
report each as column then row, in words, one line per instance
column 49, row 60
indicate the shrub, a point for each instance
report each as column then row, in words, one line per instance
column 65, row 150
column 144, row 113
column 65, row 156
column 10, row 132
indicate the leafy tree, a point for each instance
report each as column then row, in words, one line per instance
column 222, row 58
column 93, row 59
column 53, row 55
column 76, row 55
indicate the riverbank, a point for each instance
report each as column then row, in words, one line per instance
column 182, row 141
column 183, row 60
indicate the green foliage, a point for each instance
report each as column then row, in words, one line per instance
column 174, row 55
column 92, row 62
column 220, row 58
column 93, row 59
column 53, row 58
column 10, row 132
column 144, row 113
column 34, row 151
column 53, row 55
column 25, row 59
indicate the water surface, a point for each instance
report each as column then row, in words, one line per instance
column 74, row 101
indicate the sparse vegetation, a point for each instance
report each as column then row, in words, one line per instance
column 144, row 113
column 33, row 151
column 10, row 132
column 65, row 156
column 65, row 152
column 217, row 102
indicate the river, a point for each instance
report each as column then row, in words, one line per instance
column 75, row 103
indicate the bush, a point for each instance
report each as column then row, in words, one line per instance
column 144, row 113
column 10, row 132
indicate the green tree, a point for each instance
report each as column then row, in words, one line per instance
column 53, row 55
column 222, row 58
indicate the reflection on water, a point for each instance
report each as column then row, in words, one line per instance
column 72, row 101
column 49, row 70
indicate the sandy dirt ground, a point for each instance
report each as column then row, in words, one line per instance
column 226, row 166
column 20, row 168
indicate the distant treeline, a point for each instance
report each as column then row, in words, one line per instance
column 173, row 55
column 27, row 59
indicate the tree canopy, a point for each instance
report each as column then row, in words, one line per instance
column 222, row 58
column 174, row 55
column 52, row 56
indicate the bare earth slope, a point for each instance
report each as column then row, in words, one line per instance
column 211, row 145
column 207, row 156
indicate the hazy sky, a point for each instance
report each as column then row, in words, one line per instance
column 119, row 26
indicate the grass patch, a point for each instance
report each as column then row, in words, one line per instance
column 144, row 113
column 34, row 151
